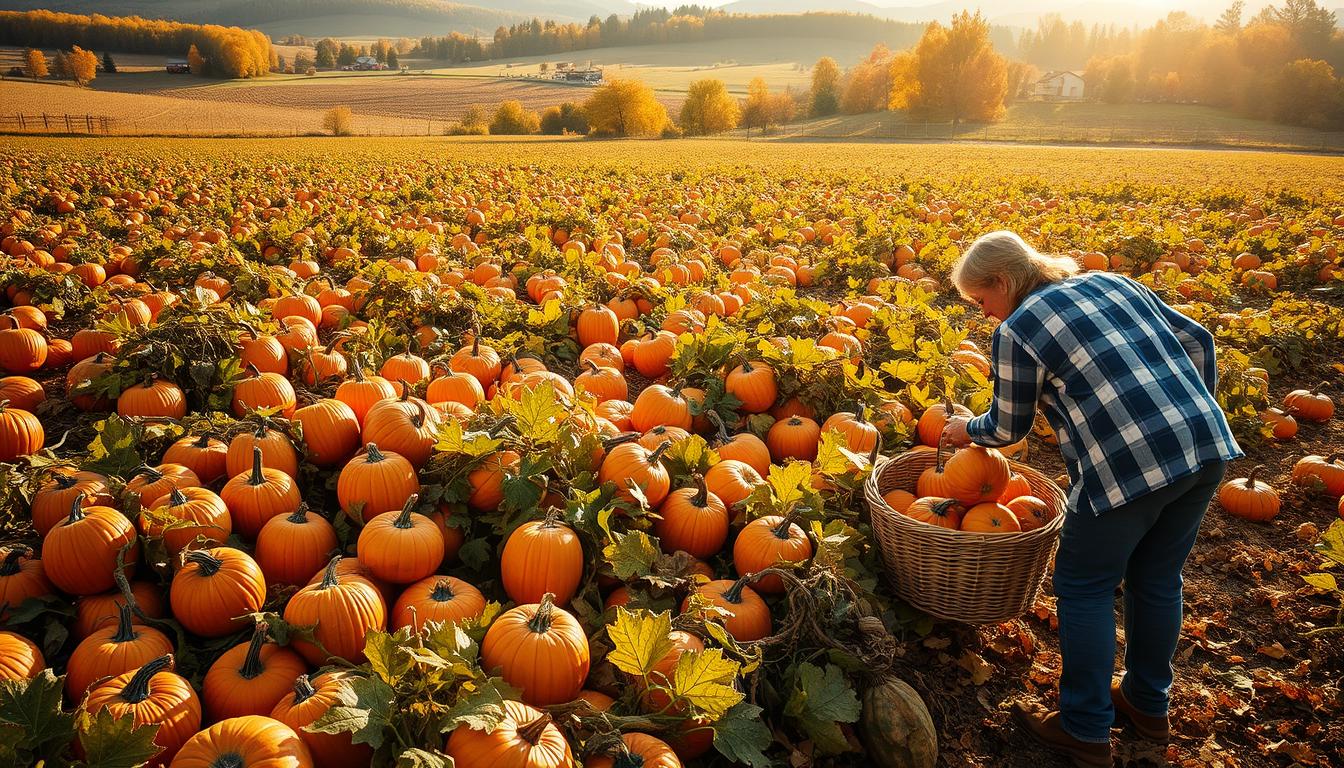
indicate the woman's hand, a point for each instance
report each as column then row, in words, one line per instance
column 954, row 432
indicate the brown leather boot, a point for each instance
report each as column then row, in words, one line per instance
column 1149, row 728
column 1044, row 726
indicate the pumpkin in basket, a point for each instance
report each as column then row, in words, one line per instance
column 976, row 474
column 990, row 517
column 898, row 499
column 1030, row 511
column 936, row 510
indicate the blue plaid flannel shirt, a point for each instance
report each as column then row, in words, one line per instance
column 1124, row 380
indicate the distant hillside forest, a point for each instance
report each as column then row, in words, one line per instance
column 251, row 13
column 225, row 51
column 681, row 25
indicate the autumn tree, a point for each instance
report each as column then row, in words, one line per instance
column 1229, row 23
column 302, row 62
column 756, row 108
column 339, row 121
column 1308, row 93
column 511, row 119
column 709, row 109
column 82, row 64
column 960, row 74
column 35, row 63
column 346, row 55
column 1310, row 25
column 325, row 53
column 195, row 60
column 109, row 66
column 1111, row 78
column 566, row 118
column 60, row 66
column 623, row 107
column 824, row 97
column 867, row 85
column 393, row 59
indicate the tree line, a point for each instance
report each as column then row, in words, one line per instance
column 224, row 51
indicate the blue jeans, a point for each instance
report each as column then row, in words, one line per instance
column 1145, row 544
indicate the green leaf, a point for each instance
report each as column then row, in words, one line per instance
column 386, row 654
column 116, row 742
column 836, row 543
column 113, row 448
column 482, row 709
column 742, row 736
column 33, row 709
column 689, row 456
column 821, row 699
column 639, row 640
column 1325, row 581
column 420, row 758
column 366, row 719
column 704, row 680
column 631, row 555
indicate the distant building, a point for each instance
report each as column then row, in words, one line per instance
column 1059, row 86
column 579, row 75
column 367, row 63
column 178, row 66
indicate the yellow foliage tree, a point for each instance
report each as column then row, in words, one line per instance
column 34, row 63
column 756, row 109
column 709, row 109
column 195, row 60
column 958, row 72
column 339, row 121
column 624, row 108
column 824, row 98
column 867, row 85
column 511, row 119
column 83, row 65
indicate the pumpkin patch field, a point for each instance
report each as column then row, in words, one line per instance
column 547, row 453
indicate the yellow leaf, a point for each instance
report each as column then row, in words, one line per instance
column 639, row 640
column 704, row 680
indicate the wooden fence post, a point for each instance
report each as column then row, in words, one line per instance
column 22, row 126
column 46, row 126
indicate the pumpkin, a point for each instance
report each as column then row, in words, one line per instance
column 975, row 474
column 766, row 542
column 251, row 741
column 793, row 438
column 22, row 392
column 455, row 388
column 603, row 383
column 250, row 678
column 183, row 515
column 404, row 371
column 693, row 520
column 637, row 750
column 21, row 433
column 401, row 547
column 81, row 553
column 291, row 548
column 152, row 695
column 363, row 392
column 598, row 325
column 990, row 517
column 310, row 699
column 87, row 371
column 524, row 738
column 478, row 361
column 153, row 397
column 375, row 482
column 661, row 434
column 753, row 383
column 632, row 464
column 603, row 355
column 934, row 510
column 929, row 428
column 486, row 480
column 21, row 577
column 205, row 456
column 664, row 669
column 652, row 355
column 550, row 542
column 437, row 598
column 277, row 452
column 748, row 616
column 330, row 431
column 657, row 406
column 617, row 412
column 1310, row 404
column 896, row 728
column 215, row 589
column 22, row 350
column 51, row 501
column 732, row 481
column 1280, row 425
column 153, row 483
column 20, row 658
column 93, row 612
column 1325, row 472
column 113, row 650
column 1017, row 486
column 263, row 390
column 343, row 609
column 898, row 499
column 1249, row 498
column 253, row 498
column 407, row 426
column 744, row 447
column 599, row 701
column 860, row 435
column 539, row 649
column 263, row 352
column 1031, row 512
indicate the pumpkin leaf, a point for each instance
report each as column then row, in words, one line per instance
column 1325, row 581
column 822, row 699
column 475, row 445
column 704, row 680
column 366, row 719
column 32, row 724
column 115, row 742
column 420, row 758
column 113, row 449
column 836, row 543
column 540, row 414
column 482, row 709
column 1331, row 544
column 689, row 456
column 639, row 639
column 834, row 457
column 631, row 555
column 742, row 736
column 386, row 654
column 788, row 482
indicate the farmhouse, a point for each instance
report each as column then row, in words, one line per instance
column 1059, row 86
column 367, row 62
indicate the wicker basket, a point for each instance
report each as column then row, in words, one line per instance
column 975, row 578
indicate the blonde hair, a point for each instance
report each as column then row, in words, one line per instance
column 1003, row 255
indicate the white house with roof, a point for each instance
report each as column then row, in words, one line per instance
column 1059, row 86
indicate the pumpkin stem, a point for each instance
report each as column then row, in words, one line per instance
column 303, row 689
column 861, row 413
column 373, row 455
column 624, row 437
column 476, row 344
column 203, row 441
column 252, row 371
column 76, row 509
column 258, row 477
column 329, row 578
column 137, row 690
column 1250, row 479
column 230, row 760
column 443, row 591
column 10, row 565
column 207, row 563
column 359, row 370
column 403, row 520
column 65, row 482
column 701, row 498
column 531, row 733
column 405, row 390
column 125, row 630
column 176, row 498
column 552, row 518
column 659, row 451
column 540, row 622
column 722, row 428
column 421, row 415
column 300, row 515
column 1319, row 387
column 252, row 666
column 734, row 593
column 781, row 531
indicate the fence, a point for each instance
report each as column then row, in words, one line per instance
column 48, row 123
